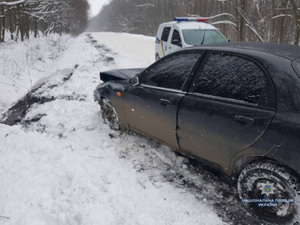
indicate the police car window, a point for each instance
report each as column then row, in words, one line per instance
column 176, row 38
column 165, row 34
column 171, row 72
column 233, row 77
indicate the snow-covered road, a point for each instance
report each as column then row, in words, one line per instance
column 61, row 165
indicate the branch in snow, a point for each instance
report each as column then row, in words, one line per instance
column 255, row 32
column 13, row 3
column 258, row 10
column 4, row 217
column 145, row 5
column 225, row 22
column 249, row 24
column 222, row 14
column 70, row 146
column 282, row 15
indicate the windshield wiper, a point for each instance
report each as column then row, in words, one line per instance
column 204, row 35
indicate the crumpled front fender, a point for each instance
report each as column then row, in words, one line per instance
column 104, row 90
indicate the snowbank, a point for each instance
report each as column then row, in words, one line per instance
column 22, row 64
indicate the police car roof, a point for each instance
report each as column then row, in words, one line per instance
column 190, row 25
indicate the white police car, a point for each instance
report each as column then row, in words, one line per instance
column 185, row 32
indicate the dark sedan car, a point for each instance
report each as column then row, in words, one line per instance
column 236, row 106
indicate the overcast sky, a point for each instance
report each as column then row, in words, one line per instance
column 96, row 6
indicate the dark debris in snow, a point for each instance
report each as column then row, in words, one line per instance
column 17, row 112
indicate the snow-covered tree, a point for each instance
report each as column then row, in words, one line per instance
column 240, row 20
column 20, row 17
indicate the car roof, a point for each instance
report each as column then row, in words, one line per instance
column 290, row 52
column 190, row 25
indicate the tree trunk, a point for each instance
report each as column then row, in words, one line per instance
column 12, row 12
column 272, row 37
column 296, row 12
column 281, row 24
column 2, row 31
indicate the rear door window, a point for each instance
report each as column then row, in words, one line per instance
column 171, row 72
column 235, row 78
column 165, row 34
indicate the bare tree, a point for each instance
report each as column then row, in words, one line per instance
column 296, row 12
column 240, row 20
column 21, row 17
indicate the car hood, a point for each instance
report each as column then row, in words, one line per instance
column 122, row 74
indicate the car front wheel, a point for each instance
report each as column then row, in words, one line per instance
column 270, row 191
column 109, row 114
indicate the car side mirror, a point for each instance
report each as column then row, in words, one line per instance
column 134, row 81
column 177, row 42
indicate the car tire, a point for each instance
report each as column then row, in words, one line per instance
column 257, row 176
column 157, row 57
column 109, row 114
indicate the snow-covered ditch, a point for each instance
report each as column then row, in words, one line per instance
column 22, row 64
column 61, row 165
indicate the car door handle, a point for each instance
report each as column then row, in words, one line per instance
column 165, row 102
column 244, row 120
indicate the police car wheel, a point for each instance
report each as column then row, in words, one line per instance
column 109, row 114
column 270, row 191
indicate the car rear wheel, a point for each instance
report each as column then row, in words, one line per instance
column 270, row 191
column 109, row 114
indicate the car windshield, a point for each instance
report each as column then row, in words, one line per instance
column 195, row 37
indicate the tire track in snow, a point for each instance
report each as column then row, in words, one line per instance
column 162, row 165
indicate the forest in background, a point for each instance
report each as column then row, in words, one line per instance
column 20, row 18
column 275, row 21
